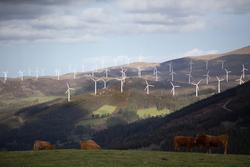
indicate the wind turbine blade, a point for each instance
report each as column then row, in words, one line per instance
column 172, row 84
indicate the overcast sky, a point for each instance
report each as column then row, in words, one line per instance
column 65, row 34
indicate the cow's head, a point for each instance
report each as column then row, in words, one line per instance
column 200, row 138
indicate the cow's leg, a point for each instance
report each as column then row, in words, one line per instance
column 225, row 148
column 190, row 149
column 175, row 147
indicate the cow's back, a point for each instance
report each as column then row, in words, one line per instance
column 89, row 145
column 42, row 145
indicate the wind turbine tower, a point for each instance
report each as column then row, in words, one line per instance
column 173, row 88
column 219, row 83
column 240, row 80
column 156, row 72
column 20, row 74
column 107, row 72
column 58, row 74
column 170, row 66
column 191, row 65
column 139, row 72
column 244, row 69
column 207, row 77
column 196, row 88
column 37, row 74
column 207, row 64
column 147, row 87
column 122, row 80
column 5, row 75
column 172, row 73
column 222, row 63
column 189, row 77
column 68, row 92
column 74, row 74
column 95, row 81
column 227, row 74
column 104, row 82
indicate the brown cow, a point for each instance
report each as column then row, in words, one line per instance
column 42, row 145
column 184, row 141
column 89, row 145
column 209, row 141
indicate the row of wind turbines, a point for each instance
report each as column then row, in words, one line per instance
column 123, row 77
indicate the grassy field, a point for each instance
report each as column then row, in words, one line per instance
column 104, row 110
column 105, row 158
column 150, row 112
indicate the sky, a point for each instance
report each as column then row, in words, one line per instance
column 83, row 35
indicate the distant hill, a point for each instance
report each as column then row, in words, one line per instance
column 227, row 112
column 241, row 51
column 28, row 105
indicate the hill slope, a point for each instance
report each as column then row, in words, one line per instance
column 227, row 112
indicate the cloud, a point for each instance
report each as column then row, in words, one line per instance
column 85, row 20
column 199, row 52
column 186, row 6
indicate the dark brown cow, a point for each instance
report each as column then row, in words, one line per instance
column 184, row 141
column 209, row 141
column 42, row 145
column 89, row 145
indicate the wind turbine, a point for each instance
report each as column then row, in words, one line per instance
column 222, row 63
column 172, row 73
column 139, row 72
column 95, row 81
column 92, row 73
column 189, row 76
column 104, row 82
column 122, row 80
column 37, row 74
column 106, row 72
column 173, row 88
column 219, row 81
column 69, row 91
column 243, row 71
column 20, row 74
column 196, row 88
column 156, row 73
column 147, row 87
column 227, row 73
column 240, row 80
column 207, row 77
column 5, row 75
column 191, row 65
column 74, row 74
column 123, row 71
column 57, row 74
column 207, row 64
column 170, row 66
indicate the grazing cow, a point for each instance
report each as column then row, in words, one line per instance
column 183, row 141
column 89, row 145
column 209, row 142
column 42, row 145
